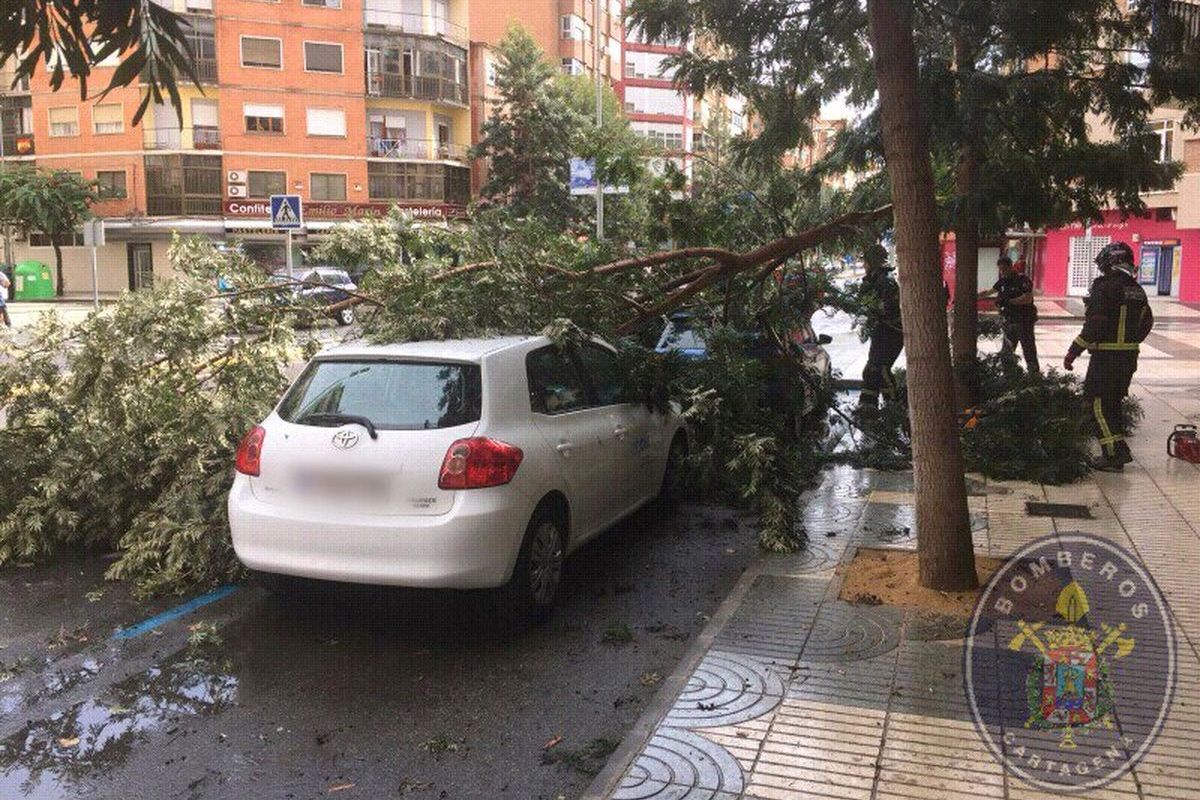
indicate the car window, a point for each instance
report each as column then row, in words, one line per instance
column 679, row 335
column 394, row 395
column 603, row 373
column 334, row 277
column 554, row 383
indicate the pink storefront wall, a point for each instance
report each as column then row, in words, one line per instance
column 1056, row 254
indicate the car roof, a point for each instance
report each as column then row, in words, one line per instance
column 449, row 349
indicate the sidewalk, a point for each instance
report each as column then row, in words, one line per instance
column 1166, row 309
column 792, row 693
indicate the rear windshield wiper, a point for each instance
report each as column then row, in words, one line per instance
column 335, row 418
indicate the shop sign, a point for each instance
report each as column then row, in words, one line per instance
column 332, row 211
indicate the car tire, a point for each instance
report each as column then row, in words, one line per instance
column 344, row 317
column 670, row 493
column 537, row 577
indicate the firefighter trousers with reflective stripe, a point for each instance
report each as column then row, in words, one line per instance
column 886, row 344
column 1109, row 374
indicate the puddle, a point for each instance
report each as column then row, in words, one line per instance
column 52, row 757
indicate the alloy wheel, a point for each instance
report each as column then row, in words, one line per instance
column 545, row 563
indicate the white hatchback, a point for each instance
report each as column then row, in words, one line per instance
column 457, row 464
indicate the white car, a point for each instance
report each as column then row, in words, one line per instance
column 456, row 464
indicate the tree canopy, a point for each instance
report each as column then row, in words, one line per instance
column 53, row 202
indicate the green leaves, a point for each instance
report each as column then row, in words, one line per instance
column 122, row 429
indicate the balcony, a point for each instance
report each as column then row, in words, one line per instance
column 402, row 181
column 183, row 185
column 409, row 22
column 196, row 138
column 17, row 145
column 416, row 87
column 415, row 149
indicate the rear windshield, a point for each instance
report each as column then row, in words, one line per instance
column 394, row 395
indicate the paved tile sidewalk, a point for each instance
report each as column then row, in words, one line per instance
column 791, row 693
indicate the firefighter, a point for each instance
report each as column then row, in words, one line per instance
column 1018, row 314
column 1118, row 320
column 881, row 295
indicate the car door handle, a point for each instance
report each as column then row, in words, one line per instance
column 565, row 447
column 620, row 431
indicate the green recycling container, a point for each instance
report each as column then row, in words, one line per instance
column 31, row 281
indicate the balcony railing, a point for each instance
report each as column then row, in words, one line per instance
column 176, row 206
column 422, row 24
column 206, row 71
column 196, row 138
column 415, row 149
column 417, row 87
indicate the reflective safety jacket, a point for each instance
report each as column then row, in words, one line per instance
column 1118, row 315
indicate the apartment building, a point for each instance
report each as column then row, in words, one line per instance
column 577, row 35
column 356, row 105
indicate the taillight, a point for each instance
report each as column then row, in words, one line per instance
column 478, row 463
column 249, row 452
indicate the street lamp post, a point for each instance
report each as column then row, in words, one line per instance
column 599, row 118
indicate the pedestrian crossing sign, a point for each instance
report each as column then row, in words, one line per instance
column 286, row 211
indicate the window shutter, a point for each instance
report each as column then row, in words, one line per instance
column 204, row 114
column 261, row 52
column 326, row 122
column 322, row 57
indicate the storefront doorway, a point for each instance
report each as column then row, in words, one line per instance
column 141, row 265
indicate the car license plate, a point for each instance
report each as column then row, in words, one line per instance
column 354, row 487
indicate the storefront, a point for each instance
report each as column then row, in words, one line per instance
column 1168, row 256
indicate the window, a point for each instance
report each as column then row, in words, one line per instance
column 64, row 121
column 72, row 239
column 573, row 27
column 322, row 57
column 646, row 65
column 261, row 52
column 326, row 121
column 327, row 186
column 265, row 184
column 604, row 375
column 394, row 395
column 108, row 118
column 491, row 72
column 1165, row 131
column 263, row 118
column 323, row 3
column 554, row 384
column 572, row 66
column 648, row 100
column 111, row 184
column 668, row 137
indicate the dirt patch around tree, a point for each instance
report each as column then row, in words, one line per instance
column 889, row 577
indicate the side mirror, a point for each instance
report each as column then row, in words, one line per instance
column 824, row 338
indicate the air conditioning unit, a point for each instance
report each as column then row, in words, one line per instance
column 235, row 176
column 236, row 190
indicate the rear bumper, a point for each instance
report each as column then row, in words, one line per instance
column 472, row 546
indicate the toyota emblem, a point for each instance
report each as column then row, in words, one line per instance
column 344, row 440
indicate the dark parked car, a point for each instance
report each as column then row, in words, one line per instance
column 329, row 288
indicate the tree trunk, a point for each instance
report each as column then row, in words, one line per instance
column 966, row 245
column 58, row 266
column 947, row 561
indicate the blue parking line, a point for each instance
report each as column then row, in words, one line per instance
column 178, row 611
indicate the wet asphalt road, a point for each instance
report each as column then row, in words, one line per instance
column 350, row 693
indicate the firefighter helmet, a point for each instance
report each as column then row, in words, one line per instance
column 875, row 255
column 1117, row 255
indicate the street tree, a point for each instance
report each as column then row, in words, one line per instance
column 530, row 133
column 72, row 37
column 53, row 202
column 1011, row 95
column 789, row 60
